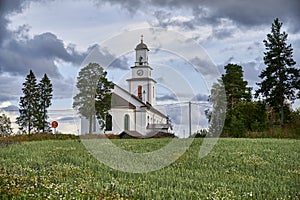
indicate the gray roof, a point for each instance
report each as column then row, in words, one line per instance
column 141, row 46
column 134, row 134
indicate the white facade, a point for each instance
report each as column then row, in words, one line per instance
column 132, row 110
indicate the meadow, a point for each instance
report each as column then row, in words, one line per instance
column 234, row 169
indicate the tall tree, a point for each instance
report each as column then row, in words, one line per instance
column 28, row 104
column 93, row 97
column 103, row 98
column 235, row 86
column 280, row 80
column 5, row 126
column 45, row 94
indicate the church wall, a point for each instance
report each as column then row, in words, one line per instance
column 118, row 119
column 141, row 121
column 153, row 118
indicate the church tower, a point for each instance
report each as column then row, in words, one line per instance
column 141, row 83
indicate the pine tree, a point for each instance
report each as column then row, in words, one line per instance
column 94, row 93
column 45, row 96
column 28, row 104
column 280, row 80
column 235, row 86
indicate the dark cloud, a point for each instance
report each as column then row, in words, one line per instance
column 165, row 20
column 213, row 12
column 38, row 54
column 7, row 7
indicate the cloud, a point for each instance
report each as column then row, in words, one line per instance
column 105, row 58
column 10, row 108
column 38, row 54
column 167, row 97
column 200, row 97
column 242, row 13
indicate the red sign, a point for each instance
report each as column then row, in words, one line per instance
column 54, row 124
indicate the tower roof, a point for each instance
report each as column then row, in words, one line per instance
column 141, row 45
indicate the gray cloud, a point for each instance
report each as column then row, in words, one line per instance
column 105, row 58
column 10, row 88
column 38, row 54
column 242, row 13
column 200, row 97
column 167, row 97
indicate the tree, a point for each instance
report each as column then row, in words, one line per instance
column 103, row 98
column 45, row 96
column 5, row 126
column 235, row 87
column 94, row 93
column 28, row 104
column 280, row 80
column 216, row 115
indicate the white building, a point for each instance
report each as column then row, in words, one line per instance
column 132, row 111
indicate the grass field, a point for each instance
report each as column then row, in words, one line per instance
column 235, row 169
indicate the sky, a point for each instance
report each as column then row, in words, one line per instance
column 58, row 37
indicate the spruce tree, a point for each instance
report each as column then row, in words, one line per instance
column 28, row 104
column 45, row 96
column 235, row 85
column 280, row 80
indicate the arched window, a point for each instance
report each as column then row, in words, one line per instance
column 140, row 91
column 126, row 122
column 108, row 123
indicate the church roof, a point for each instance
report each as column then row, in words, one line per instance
column 141, row 45
column 119, row 101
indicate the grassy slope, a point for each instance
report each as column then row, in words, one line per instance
column 235, row 169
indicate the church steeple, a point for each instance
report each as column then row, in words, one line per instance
column 141, row 56
column 141, row 83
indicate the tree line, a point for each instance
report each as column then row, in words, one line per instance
column 278, row 89
column 34, row 103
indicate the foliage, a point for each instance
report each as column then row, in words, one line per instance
column 216, row 116
column 45, row 91
column 281, row 80
column 28, row 104
column 5, row 126
column 33, row 105
column 103, row 98
column 246, row 116
column 235, row 86
column 235, row 169
column 93, row 97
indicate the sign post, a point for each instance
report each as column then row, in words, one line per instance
column 54, row 125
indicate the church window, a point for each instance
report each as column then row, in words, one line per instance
column 140, row 91
column 126, row 122
column 153, row 91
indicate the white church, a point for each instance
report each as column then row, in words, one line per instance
column 133, row 111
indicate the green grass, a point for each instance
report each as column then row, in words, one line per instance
column 235, row 169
